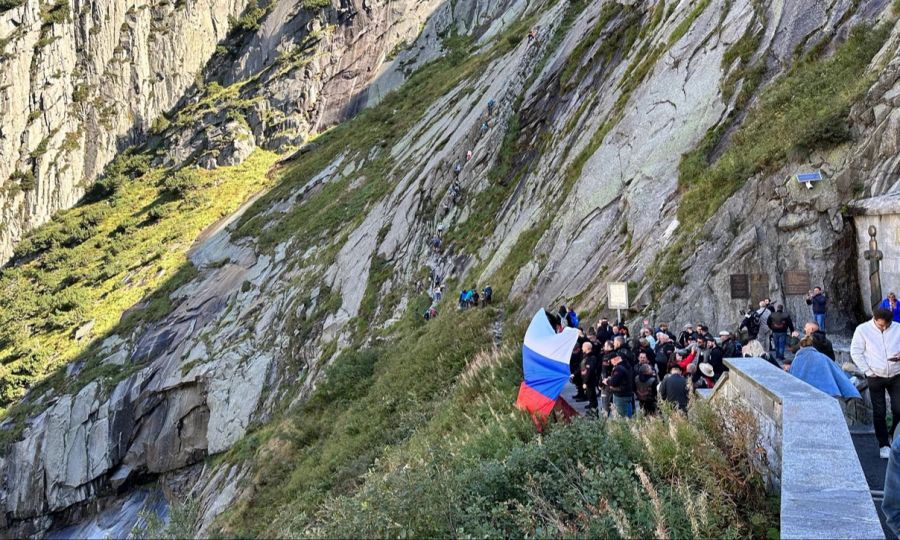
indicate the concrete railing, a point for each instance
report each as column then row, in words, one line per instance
column 811, row 456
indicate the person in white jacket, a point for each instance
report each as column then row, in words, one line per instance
column 876, row 352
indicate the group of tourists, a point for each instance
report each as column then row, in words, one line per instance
column 470, row 297
column 611, row 369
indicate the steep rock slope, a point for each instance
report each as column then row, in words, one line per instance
column 575, row 179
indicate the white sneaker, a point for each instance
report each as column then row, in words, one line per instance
column 885, row 452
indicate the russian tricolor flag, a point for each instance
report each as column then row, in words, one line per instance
column 545, row 361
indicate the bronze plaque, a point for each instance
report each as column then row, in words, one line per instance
column 759, row 287
column 796, row 282
column 740, row 286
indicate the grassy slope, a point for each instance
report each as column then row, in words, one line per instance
column 93, row 262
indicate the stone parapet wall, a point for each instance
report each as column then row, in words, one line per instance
column 811, row 457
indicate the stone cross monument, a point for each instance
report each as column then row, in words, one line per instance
column 874, row 256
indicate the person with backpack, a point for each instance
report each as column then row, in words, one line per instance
column 663, row 352
column 780, row 323
column 817, row 300
column 765, row 332
column 487, row 295
column 621, row 384
column 750, row 325
column 645, row 383
column 490, row 104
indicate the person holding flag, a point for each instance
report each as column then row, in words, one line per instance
column 545, row 361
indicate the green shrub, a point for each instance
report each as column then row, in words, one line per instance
column 182, row 183
column 25, row 179
column 56, row 14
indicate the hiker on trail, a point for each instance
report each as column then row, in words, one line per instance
column 820, row 340
column 819, row 303
column 490, row 105
column 674, row 388
column 487, row 295
column 457, row 169
column 590, row 374
column 469, row 155
column 764, row 333
column 621, row 384
column 563, row 313
column 890, row 303
column 645, row 383
column 780, row 323
column 484, row 127
column 875, row 350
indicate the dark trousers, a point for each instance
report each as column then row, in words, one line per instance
column 877, row 387
column 578, row 381
column 592, row 395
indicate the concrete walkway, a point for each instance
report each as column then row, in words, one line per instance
column 874, row 468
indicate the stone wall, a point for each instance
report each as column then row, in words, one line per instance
column 884, row 213
column 811, row 457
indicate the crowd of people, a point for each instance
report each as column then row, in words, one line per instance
column 613, row 370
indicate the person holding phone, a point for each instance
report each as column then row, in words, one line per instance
column 875, row 350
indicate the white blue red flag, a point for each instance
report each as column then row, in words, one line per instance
column 545, row 361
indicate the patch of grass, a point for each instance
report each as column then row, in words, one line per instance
column 94, row 261
column 804, row 110
column 369, row 400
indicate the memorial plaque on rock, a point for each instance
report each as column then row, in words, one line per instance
column 740, row 286
column 796, row 282
column 759, row 287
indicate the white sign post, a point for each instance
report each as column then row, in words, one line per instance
column 617, row 294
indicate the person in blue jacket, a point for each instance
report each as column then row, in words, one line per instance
column 890, row 303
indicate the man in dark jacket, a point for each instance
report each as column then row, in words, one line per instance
column 686, row 335
column 575, row 371
column 663, row 352
column 621, row 384
column 819, row 303
column 622, row 349
column 820, row 341
column 781, row 324
column 590, row 371
column 674, row 389
column 730, row 347
column 604, row 331
column 715, row 358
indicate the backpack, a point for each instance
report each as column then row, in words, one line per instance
column 753, row 324
column 572, row 319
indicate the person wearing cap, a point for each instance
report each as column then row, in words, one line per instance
column 730, row 347
column 686, row 335
column 716, row 358
column 621, row 384
column 891, row 304
column 707, row 377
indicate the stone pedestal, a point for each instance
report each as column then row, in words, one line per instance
column 884, row 213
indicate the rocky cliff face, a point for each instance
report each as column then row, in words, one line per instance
column 572, row 180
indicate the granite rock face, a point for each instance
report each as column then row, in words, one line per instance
column 256, row 326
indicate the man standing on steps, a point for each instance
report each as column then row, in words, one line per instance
column 781, row 324
column 875, row 350
column 819, row 303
